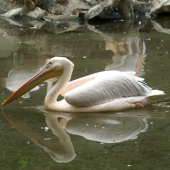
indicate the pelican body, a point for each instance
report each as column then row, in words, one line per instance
column 100, row 92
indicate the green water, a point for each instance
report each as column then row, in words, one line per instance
column 32, row 138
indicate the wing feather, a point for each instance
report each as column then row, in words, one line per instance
column 107, row 87
column 76, row 83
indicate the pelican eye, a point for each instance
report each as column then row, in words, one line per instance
column 50, row 63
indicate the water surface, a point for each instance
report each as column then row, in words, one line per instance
column 33, row 138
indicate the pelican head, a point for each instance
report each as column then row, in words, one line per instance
column 53, row 68
column 59, row 63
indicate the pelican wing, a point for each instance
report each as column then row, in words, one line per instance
column 78, row 82
column 106, row 87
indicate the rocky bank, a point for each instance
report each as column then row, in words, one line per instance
column 84, row 9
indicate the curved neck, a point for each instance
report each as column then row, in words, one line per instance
column 53, row 94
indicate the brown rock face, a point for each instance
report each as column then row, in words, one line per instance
column 31, row 4
column 6, row 5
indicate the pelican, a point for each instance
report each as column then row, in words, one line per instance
column 100, row 92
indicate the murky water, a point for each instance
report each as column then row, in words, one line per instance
column 32, row 138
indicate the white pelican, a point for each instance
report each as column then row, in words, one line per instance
column 100, row 92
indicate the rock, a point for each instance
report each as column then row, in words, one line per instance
column 96, row 10
column 79, row 12
column 13, row 12
column 6, row 5
column 36, row 13
column 85, row 9
column 63, row 7
column 31, row 4
column 141, row 7
column 159, row 7
column 111, row 9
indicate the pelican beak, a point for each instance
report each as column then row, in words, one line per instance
column 45, row 74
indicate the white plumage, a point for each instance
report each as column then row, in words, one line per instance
column 100, row 92
column 105, row 87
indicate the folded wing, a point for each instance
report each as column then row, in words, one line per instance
column 106, row 87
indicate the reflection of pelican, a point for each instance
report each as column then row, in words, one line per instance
column 107, row 128
column 66, row 154
column 129, row 55
column 104, row 91
column 129, row 48
column 63, row 152
column 19, row 75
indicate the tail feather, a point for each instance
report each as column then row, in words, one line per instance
column 156, row 93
